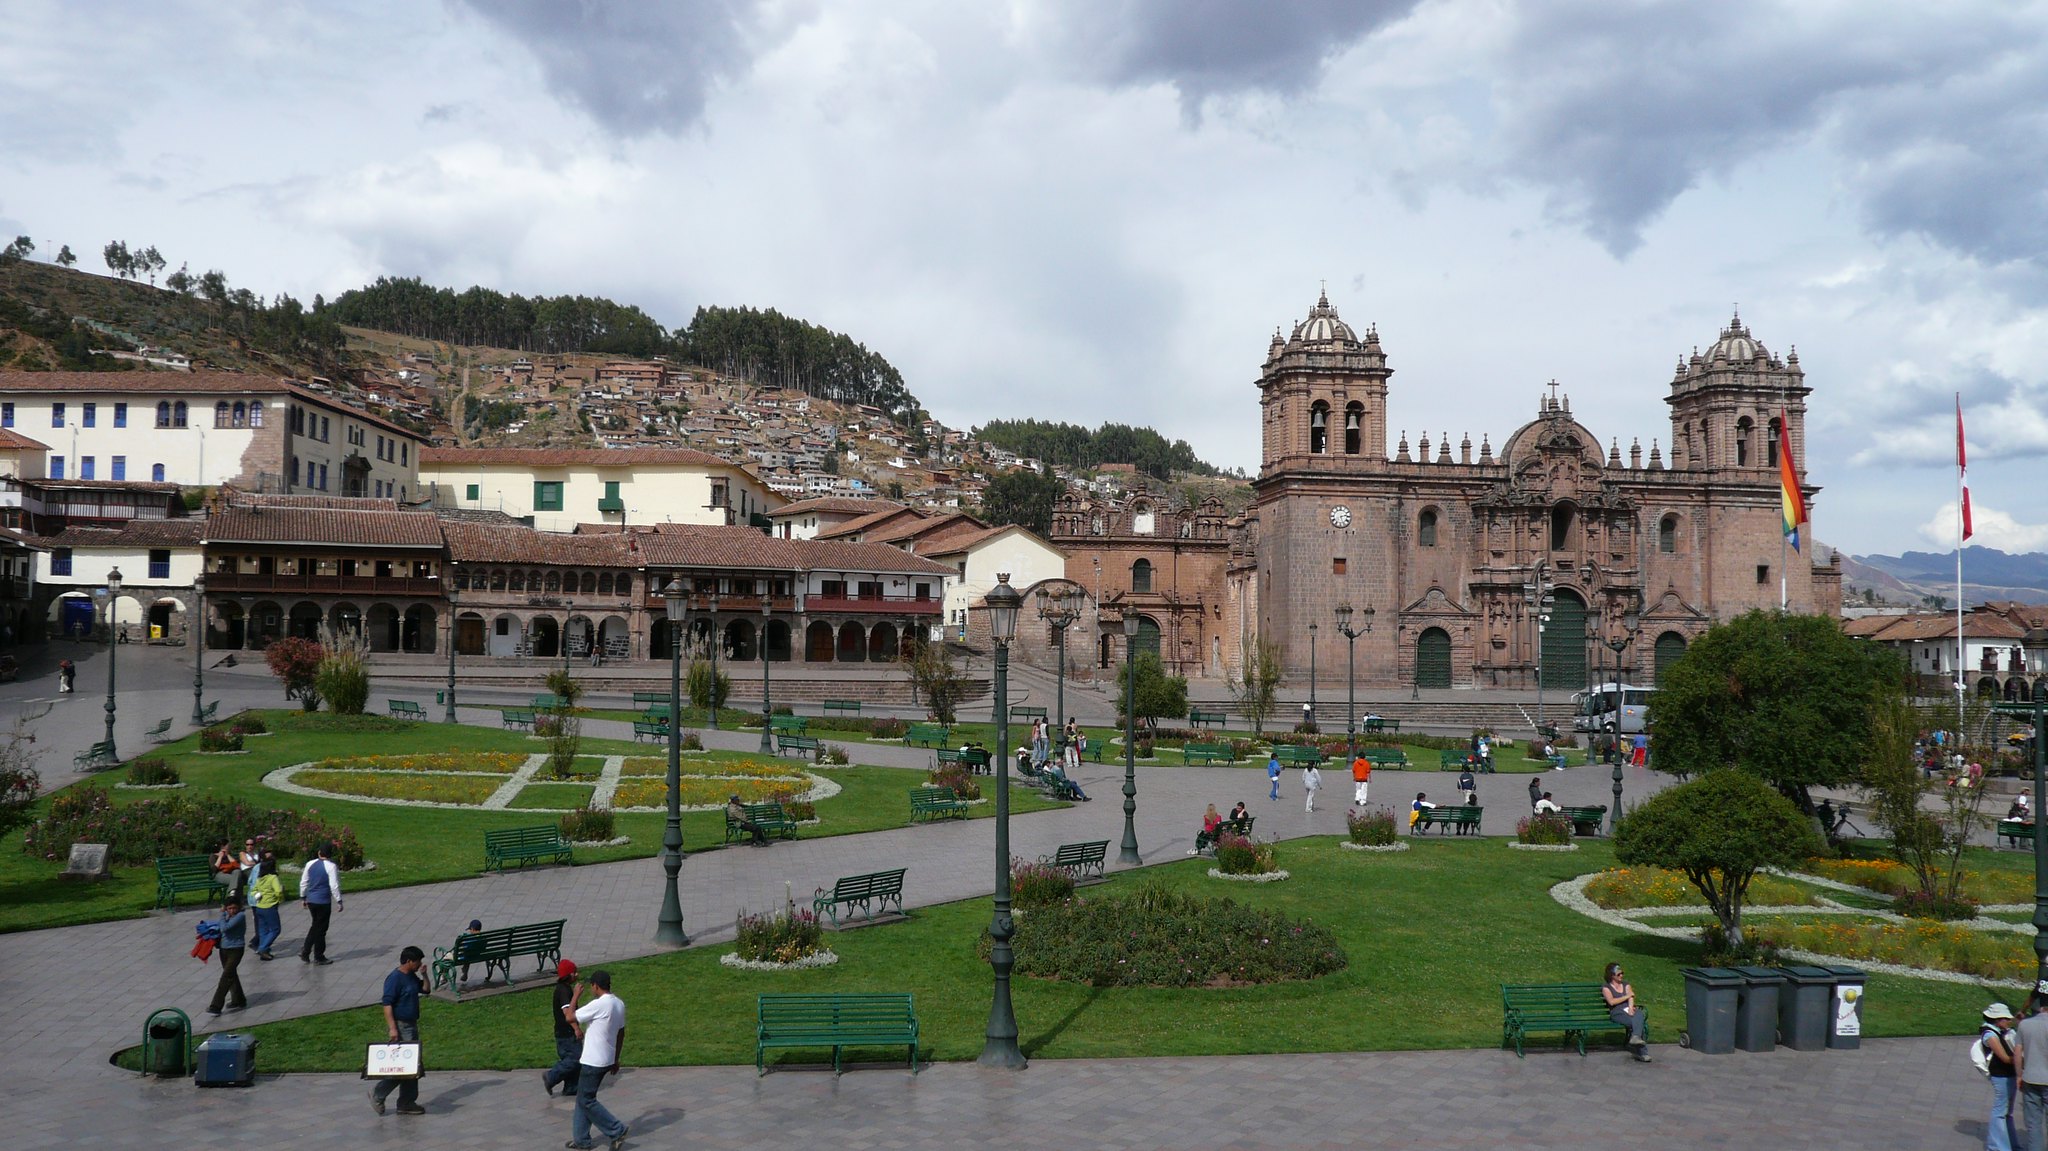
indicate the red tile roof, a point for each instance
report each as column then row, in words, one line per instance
column 856, row 527
column 11, row 440
column 685, row 545
column 183, row 532
column 511, row 544
column 332, row 526
column 855, row 505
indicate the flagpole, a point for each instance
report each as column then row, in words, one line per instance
column 1960, row 537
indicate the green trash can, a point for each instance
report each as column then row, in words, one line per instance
column 440, row 695
column 1712, row 996
column 167, row 1044
column 1756, row 1012
column 1804, row 1002
column 1845, row 1020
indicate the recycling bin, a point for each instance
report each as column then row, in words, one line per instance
column 1804, row 1003
column 167, row 1043
column 1712, row 997
column 1756, row 1013
column 1845, row 1021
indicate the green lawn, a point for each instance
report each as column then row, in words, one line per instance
column 1431, row 933
column 412, row 845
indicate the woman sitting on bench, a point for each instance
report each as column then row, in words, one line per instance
column 1622, row 1008
column 1212, row 826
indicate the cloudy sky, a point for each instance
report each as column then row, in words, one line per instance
column 1090, row 209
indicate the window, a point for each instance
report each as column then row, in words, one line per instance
column 1763, row 573
column 1318, row 428
column 405, row 455
column 1354, row 418
column 611, row 489
column 323, row 477
column 474, row 491
column 6, row 415
column 60, row 561
column 179, row 414
column 298, row 420
column 719, row 497
column 241, row 414
column 326, row 429
column 1141, row 576
column 56, row 467
column 1771, row 444
column 163, row 414
column 1667, row 535
column 159, row 563
column 312, row 473
column 1561, row 518
column 220, row 414
column 89, row 415
column 1743, row 428
column 547, row 495
column 1425, row 528
column 120, row 467
column 56, row 415
column 120, row 415
column 1337, row 566
column 85, row 468
column 156, row 473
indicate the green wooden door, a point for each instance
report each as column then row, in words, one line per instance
column 1670, row 646
column 1564, row 643
column 1148, row 636
column 1433, row 658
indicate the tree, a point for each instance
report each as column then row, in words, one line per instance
column 19, row 250
column 1718, row 830
column 564, row 728
column 20, row 783
column 1258, row 685
column 64, row 256
column 1785, row 697
column 699, row 683
column 181, row 281
column 1159, row 695
column 1928, row 839
column 118, row 260
column 149, row 262
column 1023, row 497
column 296, row 662
column 931, row 671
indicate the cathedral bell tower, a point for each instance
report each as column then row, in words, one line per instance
column 1323, row 397
column 1727, row 407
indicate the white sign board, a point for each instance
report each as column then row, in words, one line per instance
column 393, row 1061
column 1847, row 1019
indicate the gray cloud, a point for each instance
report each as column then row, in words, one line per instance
column 634, row 67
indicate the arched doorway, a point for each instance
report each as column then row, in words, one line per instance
column 469, row 634
column 1433, row 658
column 882, row 643
column 74, row 615
column 617, row 637
column 305, row 621
column 739, row 640
column 1670, row 646
column 1148, row 636
column 228, row 629
column 1564, row 642
column 346, row 617
column 2040, row 690
column 419, row 631
column 383, row 627
column 163, row 616
column 853, row 643
column 818, row 643
column 777, row 640
column 1987, row 688
column 267, row 618
column 2015, row 689
column 544, row 635
column 577, row 635
column 659, row 637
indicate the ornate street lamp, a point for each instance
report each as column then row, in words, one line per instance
column 449, row 715
column 1000, row 1049
column 767, row 612
column 2037, row 713
column 1351, row 635
column 714, row 663
column 199, row 649
column 1128, row 852
column 113, row 606
column 671, row 929
column 1632, row 623
column 1311, row 672
column 1060, row 609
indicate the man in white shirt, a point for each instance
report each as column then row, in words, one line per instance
column 320, row 893
column 602, row 1024
column 1546, row 804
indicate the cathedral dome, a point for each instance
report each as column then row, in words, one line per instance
column 1736, row 345
column 1323, row 326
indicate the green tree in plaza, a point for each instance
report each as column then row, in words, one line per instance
column 938, row 682
column 296, row 661
column 1023, row 497
column 1787, row 698
column 1159, row 695
column 1718, row 830
column 1257, row 687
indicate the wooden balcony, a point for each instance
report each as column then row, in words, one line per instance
column 238, row 583
column 873, row 605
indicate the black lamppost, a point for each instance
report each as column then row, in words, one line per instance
column 1632, row 623
column 2037, row 712
column 1000, row 1049
column 1060, row 609
column 671, row 929
column 1351, row 635
column 449, row 715
column 767, row 611
column 199, row 649
column 1311, row 672
column 113, row 606
column 714, row 662
column 1128, row 852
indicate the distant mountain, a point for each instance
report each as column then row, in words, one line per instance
column 1988, row 574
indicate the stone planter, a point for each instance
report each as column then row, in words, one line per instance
column 1397, row 845
column 1256, row 877
column 1520, row 846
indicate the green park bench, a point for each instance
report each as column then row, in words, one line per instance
column 927, row 734
column 1463, row 817
column 835, row 1021
column 660, row 715
column 793, row 724
column 974, row 759
column 507, row 844
column 496, row 949
column 546, row 701
column 1197, row 717
column 208, row 713
column 1027, row 713
column 643, row 729
column 785, row 743
column 1297, row 755
column 842, row 706
column 2013, row 830
column 1586, row 820
column 1204, row 841
column 1078, row 859
column 406, row 709
column 871, row 894
column 161, row 733
column 1385, row 758
column 1456, row 761
column 928, row 803
column 654, row 699
column 769, row 817
column 517, row 717
column 1377, row 723
column 1208, row 753
column 99, row 755
column 178, row 874
column 1572, row 1009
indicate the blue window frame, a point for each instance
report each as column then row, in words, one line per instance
column 56, row 415
column 120, row 415
column 6, row 415
column 85, row 468
column 56, row 467
column 89, row 415
column 60, row 561
column 159, row 563
column 120, row 467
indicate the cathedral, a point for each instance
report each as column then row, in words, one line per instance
column 1475, row 568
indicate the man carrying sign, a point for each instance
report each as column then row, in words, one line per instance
column 402, row 989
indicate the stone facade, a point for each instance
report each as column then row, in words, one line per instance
column 1451, row 548
column 1165, row 563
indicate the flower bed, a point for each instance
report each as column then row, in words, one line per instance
column 137, row 833
column 486, row 762
column 1889, row 877
column 1397, row 845
column 695, row 792
column 815, row 959
column 1238, row 855
column 1039, row 884
column 745, row 768
column 1627, row 888
column 1372, row 827
column 1937, row 946
column 553, row 796
column 1544, row 829
column 1160, row 938
column 958, row 780
column 786, row 937
column 416, row 786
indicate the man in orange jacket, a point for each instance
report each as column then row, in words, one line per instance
column 1361, row 775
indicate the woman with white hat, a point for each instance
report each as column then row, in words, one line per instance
column 1996, row 1035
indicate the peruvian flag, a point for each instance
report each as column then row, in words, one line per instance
column 1962, row 466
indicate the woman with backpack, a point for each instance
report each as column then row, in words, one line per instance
column 1996, row 1041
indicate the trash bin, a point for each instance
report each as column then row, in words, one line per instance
column 1845, row 1022
column 1804, row 1003
column 1712, row 995
column 440, row 695
column 167, row 1043
column 1756, row 1016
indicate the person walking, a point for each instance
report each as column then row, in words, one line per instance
column 1535, row 792
column 402, row 991
column 1273, row 775
column 1071, row 746
column 1995, row 1033
column 266, row 894
column 320, row 891
column 1041, row 745
column 1466, row 785
column 1639, row 750
column 1485, row 753
column 602, row 1024
column 234, row 935
column 568, row 1048
column 1361, row 778
column 1312, row 782
column 2033, row 1074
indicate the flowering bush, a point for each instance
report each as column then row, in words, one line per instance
column 1921, row 905
column 832, row 755
column 793, row 805
column 1371, row 827
column 1627, row 888
column 1888, row 877
column 150, row 771
column 422, row 787
column 793, row 934
column 691, row 741
column 1039, row 884
column 1238, row 855
column 140, row 832
column 588, row 825
column 957, row 779
column 1159, row 938
column 249, row 723
column 652, row 791
column 487, row 762
column 1545, row 827
column 296, row 661
column 1935, row 946
column 220, row 737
